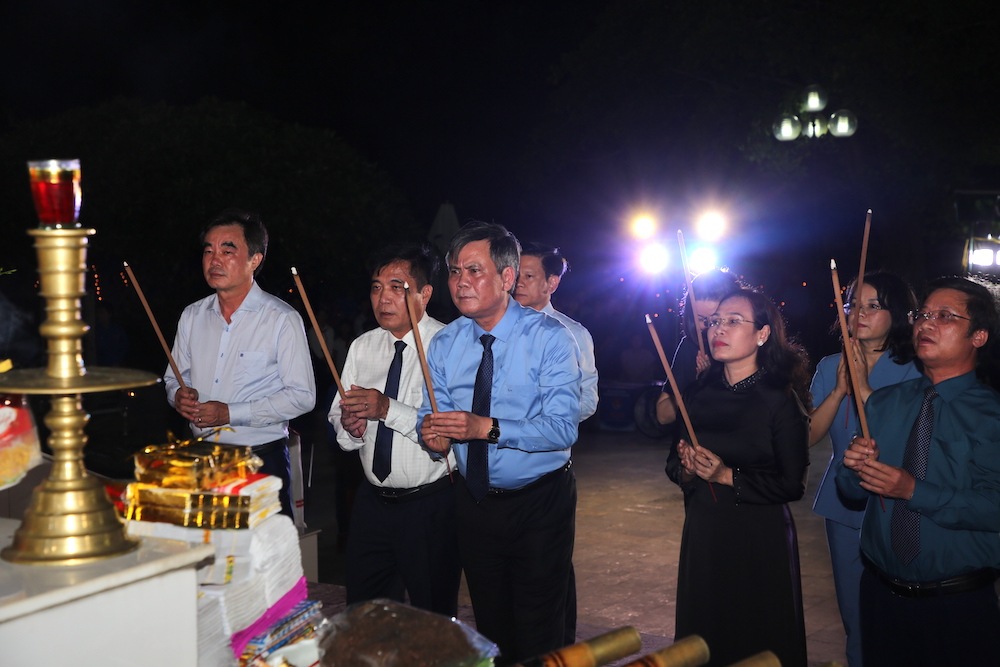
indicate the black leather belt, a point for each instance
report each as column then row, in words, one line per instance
column 970, row 581
column 544, row 479
column 269, row 447
column 391, row 495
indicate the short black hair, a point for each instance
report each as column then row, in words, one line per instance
column 254, row 231
column 425, row 264
column 553, row 261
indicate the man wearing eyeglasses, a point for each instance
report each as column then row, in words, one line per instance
column 931, row 474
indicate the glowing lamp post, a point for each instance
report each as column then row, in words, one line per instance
column 814, row 122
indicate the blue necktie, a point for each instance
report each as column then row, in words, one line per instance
column 477, row 468
column 904, row 525
column 383, row 439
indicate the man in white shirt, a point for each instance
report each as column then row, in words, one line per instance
column 542, row 269
column 402, row 536
column 241, row 352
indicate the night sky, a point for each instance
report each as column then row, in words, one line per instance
column 561, row 119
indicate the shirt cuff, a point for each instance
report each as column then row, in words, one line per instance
column 239, row 414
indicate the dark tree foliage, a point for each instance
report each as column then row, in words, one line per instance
column 153, row 175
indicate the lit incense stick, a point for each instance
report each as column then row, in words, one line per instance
column 849, row 355
column 690, row 293
column 675, row 389
column 411, row 309
column 861, row 268
column 847, row 350
column 156, row 327
column 319, row 332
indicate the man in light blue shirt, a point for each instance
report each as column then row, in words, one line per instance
column 516, row 526
column 241, row 352
column 541, row 271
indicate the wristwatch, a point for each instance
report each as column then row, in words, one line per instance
column 493, row 437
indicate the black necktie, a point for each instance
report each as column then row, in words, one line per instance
column 904, row 525
column 477, row 469
column 383, row 439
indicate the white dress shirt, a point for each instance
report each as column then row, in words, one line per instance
column 258, row 365
column 367, row 366
column 588, row 360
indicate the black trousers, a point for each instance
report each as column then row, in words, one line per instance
column 517, row 552
column 959, row 629
column 404, row 546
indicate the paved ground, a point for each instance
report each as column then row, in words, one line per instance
column 629, row 521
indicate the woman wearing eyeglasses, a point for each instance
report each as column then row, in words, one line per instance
column 738, row 583
column 883, row 347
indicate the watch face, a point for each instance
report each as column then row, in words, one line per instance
column 494, row 434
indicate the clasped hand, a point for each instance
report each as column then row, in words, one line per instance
column 703, row 463
column 202, row 415
column 441, row 428
column 359, row 405
column 877, row 477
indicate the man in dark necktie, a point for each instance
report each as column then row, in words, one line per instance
column 507, row 382
column 402, row 537
column 931, row 476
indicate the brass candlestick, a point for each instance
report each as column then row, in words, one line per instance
column 70, row 519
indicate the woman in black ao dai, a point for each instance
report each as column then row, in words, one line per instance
column 738, row 583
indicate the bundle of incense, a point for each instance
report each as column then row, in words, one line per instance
column 198, row 465
column 239, row 503
column 240, row 497
column 595, row 652
column 300, row 624
column 189, row 500
column 214, row 518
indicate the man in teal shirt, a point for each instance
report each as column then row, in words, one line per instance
column 927, row 594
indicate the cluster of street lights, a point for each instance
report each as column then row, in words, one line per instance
column 811, row 121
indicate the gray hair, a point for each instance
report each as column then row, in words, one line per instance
column 504, row 248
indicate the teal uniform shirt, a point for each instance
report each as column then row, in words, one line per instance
column 959, row 501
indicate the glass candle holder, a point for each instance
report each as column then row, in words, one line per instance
column 55, row 188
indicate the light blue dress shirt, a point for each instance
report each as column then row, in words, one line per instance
column 535, row 394
column 588, row 360
column 258, row 365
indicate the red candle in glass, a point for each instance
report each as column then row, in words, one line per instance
column 55, row 188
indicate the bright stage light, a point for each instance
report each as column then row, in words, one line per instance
column 643, row 226
column 653, row 258
column 711, row 225
column 981, row 257
column 702, row 259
